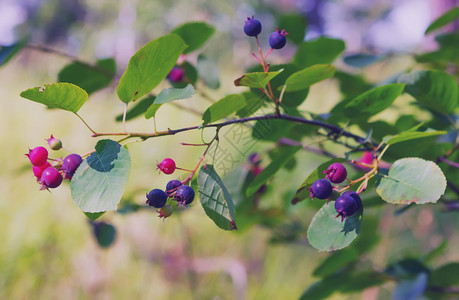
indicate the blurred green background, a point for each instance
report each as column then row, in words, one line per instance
column 48, row 250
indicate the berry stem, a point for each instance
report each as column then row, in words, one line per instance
column 124, row 117
column 86, row 124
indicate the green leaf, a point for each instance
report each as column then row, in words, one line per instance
column 289, row 99
column 412, row 180
column 328, row 233
column 405, row 136
column 151, row 111
column 138, row 109
column 361, row 60
column 295, row 25
column 307, row 77
column 271, row 169
column 254, row 103
column 149, row 66
column 302, row 192
column 8, row 52
column 168, row 95
column 256, row 79
column 437, row 90
column 223, row 108
column 93, row 216
column 319, row 51
column 89, row 78
column 215, row 199
column 208, row 72
column 446, row 275
column 105, row 234
column 195, row 34
column 336, row 261
column 374, row 101
column 443, row 20
column 172, row 94
column 63, row 95
column 100, row 180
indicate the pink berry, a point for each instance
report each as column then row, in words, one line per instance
column 176, row 74
column 366, row 158
column 167, row 166
column 51, row 178
column 336, row 173
column 38, row 156
column 54, row 143
column 37, row 171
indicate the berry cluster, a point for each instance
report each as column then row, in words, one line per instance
column 175, row 190
column 50, row 175
column 348, row 203
column 277, row 39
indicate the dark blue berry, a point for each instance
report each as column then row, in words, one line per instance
column 252, row 27
column 356, row 198
column 321, row 189
column 277, row 39
column 71, row 164
column 184, row 195
column 156, row 198
column 345, row 206
column 172, row 186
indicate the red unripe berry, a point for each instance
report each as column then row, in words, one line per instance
column 54, row 143
column 38, row 156
column 38, row 171
column 51, row 178
column 336, row 173
column 167, row 166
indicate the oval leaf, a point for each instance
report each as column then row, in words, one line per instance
column 208, row 72
column 100, row 180
column 271, row 169
column 89, row 78
column 105, row 233
column 374, row 101
column 171, row 94
column 361, row 60
column 195, row 34
column 256, row 79
column 412, row 180
column 319, row 51
column 328, row 233
column 223, row 108
column 307, row 77
column 436, row 89
column 63, row 95
column 443, row 20
column 215, row 199
column 149, row 66
column 405, row 136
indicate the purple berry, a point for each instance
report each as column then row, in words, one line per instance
column 172, row 186
column 336, row 173
column 50, row 178
column 38, row 156
column 252, row 27
column 54, row 144
column 71, row 164
column 165, row 211
column 156, row 198
column 184, row 195
column 345, row 206
column 321, row 189
column 254, row 158
column 277, row 39
column 38, row 171
column 167, row 166
column 356, row 198
column 176, row 74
